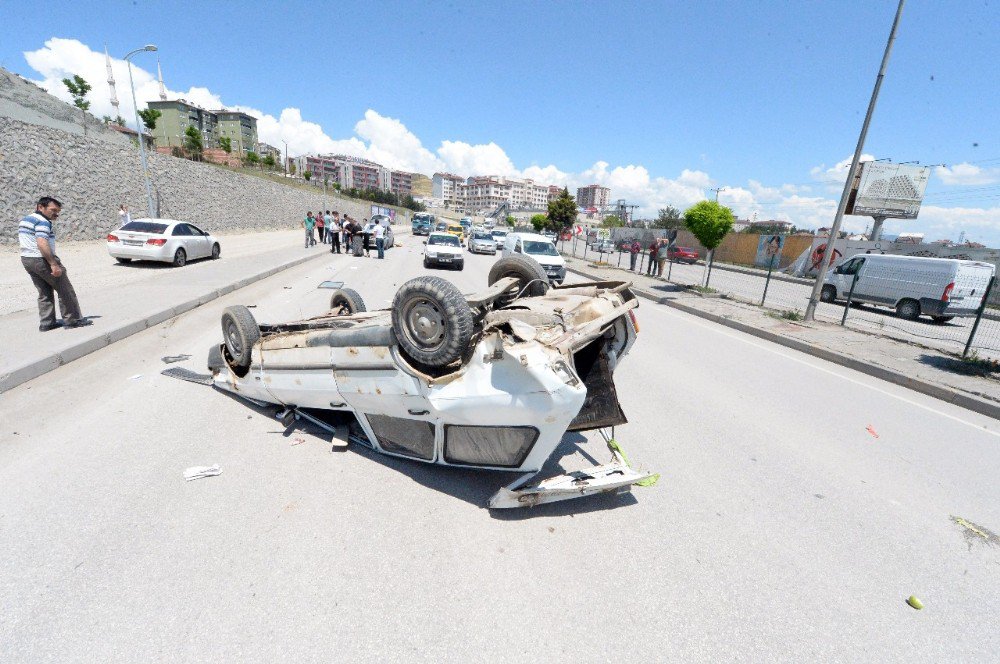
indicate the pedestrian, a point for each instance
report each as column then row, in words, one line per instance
column 321, row 227
column 634, row 250
column 662, row 253
column 380, row 239
column 333, row 232
column 48, row 274
column 123, row 216
column 309, row 223
column 651, row 268
column 329, row 220
column 366, row 237
column 348, row 232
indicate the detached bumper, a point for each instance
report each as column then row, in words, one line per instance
column 615, row 477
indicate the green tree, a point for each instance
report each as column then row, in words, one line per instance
column 120, row 121
column 78, row 89
column 291, row 169
column 149, row 117
column 193, row 143
column 612, row 221
column 307, row 175
column 562, row 211
column 226, row 143
column 539, row 222
column 511, row 220
column 669, row 217
column 710, row 223
column 268, row 160
column 253, row 158
column 106, row 119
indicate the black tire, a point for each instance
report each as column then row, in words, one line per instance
column 240, row 332
column 828, row 294
column 216, row 251
column 426, row 263
column 941, row 320
column 460, row 267
column 346, row 302
column 908, row 309
column 530, row 275
column 358, row 246
column 432, row 321
column 124, row 261
column 180, row 258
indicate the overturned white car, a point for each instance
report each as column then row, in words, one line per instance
column 492, row 380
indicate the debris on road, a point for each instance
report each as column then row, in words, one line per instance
column 198, row 472
column 297, row 441
column 870, row 429
column 135, row 377
column 188, row 375
column 975, row 533
column 170, row 359
column 331, row 284
column 913, row 601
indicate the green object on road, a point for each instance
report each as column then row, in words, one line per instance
column 616, row 448
column 913, row 601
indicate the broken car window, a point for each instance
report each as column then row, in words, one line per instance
column 402, row 436
column 488, row 446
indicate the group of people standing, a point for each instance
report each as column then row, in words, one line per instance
column 333, row 231
column 659, row 252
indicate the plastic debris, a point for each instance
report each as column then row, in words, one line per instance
column 331, row 284
column 617, row 449
column 870, row 429
column 198, row 472
column 915, row 602
column 136, row 377
column 170, row 359
column 297, row 441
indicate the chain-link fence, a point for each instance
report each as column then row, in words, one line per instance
column 890, row 301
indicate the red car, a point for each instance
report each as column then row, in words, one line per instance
column 683, row 255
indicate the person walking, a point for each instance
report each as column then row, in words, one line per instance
column 328, row 218
column 48, row 274
column 333, row 232
column 380, row 239
column 367, row 238
column 662, row 253
column 309, row 223
column 651, row 268
column 321, row 227
column 634, row 250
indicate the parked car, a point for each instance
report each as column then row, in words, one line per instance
column 682, row 255
column 369, row 229
column 443, row 250
column 489, row 381
column 602, row 246
column 941, row 288
column 163, row 240
column 482, row 243
column 540, row 249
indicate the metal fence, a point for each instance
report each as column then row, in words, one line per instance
column 976, row 334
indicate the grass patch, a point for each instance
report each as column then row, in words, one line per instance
column 785, row 314
column 703, row 289
column 980, row 364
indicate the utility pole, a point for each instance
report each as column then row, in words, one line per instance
column 848, row 183
column 286, row 156
column 717, row 190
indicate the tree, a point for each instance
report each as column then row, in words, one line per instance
column 562, row 211
column 78, row 89
column 511, row 220
column 669, row 217
column 307, row 175
column 253, row 158
column 268, row 160
column 226, row 143
column 193, row 143
column 149, row 117
column 291, row 169
column 106, row 119
column 612, row 221
column 120, row 121
column 710, row 223
column 539, row 221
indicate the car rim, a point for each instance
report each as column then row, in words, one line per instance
column 179, row 257
column 425, row 324
column 235, row 347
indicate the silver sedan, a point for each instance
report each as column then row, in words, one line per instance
column 164, row 240
column 482, row 242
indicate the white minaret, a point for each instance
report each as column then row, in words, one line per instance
column 159, row 72
column 111, row 82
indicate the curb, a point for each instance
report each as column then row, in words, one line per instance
column 949, row 395
column 87, row 346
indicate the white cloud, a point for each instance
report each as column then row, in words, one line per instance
column 837, row 172
column 967, row 174
column 464, row 159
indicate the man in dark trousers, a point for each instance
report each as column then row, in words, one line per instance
column 333, row 232
column 38, row 256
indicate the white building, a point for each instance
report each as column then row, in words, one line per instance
column 446, row 188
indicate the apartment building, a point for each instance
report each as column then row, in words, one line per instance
column 176, row 116
column 446, row 187
column 593, row 195
column 553, row 193
column 239, row 128
column 354, row 172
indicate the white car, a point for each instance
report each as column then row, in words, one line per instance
column 539, row 248
column 492, row 380
column 164, row 240
column 443, row 250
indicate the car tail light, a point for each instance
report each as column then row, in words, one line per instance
column 112, row 237
column 635, row 321
column 157, row 242
column 947, row 291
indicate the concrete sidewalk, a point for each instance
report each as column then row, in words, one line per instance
column 125, row 299
column 911, row 365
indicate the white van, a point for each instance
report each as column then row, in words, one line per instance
column 941, row 288
column 541, row 249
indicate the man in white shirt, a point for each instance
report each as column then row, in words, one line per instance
column 379, row 233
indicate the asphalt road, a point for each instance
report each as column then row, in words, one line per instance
column 782, row 528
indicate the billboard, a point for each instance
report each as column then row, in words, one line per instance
column 386, row 211
column 769, row 250
column 884, row 189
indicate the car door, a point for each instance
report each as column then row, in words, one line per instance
column 200, row 240
column 845, row 277
column 181, row 235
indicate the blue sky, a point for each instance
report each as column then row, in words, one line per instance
column 660, row 101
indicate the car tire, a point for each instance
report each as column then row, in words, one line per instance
column 531, row 277
column 432, row 321
column 240, row 332
column 180, row 258
column 941, row 320
column 216, row 251
column 828, row 294
column 347, row 302
column 908, row 309
column 426, row 263
column 124, row 261
column 460, row 266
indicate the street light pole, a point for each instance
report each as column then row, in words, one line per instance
column 138, row 126
column 286, row 156
column 835, row 231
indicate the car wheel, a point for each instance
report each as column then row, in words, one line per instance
column 346, row 302
column 908, row 309
column 828, row 294
column 426, row 263
column 180, row 258
column 941, row 320
column 240, row 332
column 432, row 321
column 216, row 251
column 124, row 261
column 531, row 277
column 460, row 266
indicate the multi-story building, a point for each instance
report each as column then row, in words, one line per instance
column 401, row 183
column 554, row 193
column 593, row 195
column 240, row 128
column 486, row 192
column 355, row 173
column 263, row 149
column 446, row 188
column 176, row 116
